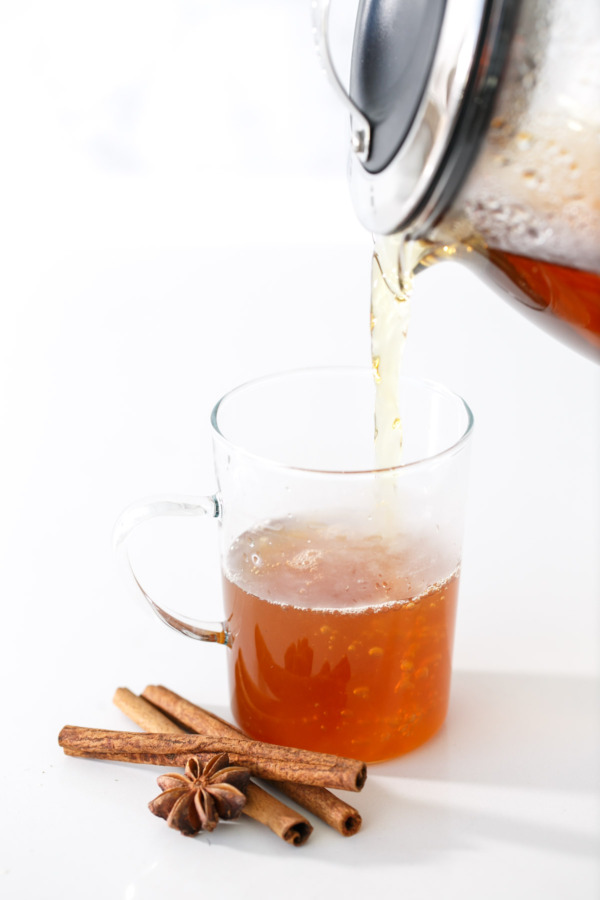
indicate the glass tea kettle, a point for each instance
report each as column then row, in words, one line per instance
column 475, row 131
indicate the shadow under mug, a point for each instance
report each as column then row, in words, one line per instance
column 340, row 580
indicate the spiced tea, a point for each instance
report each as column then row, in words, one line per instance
column 340, row 640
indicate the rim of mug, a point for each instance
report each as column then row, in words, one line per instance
column 433, row 386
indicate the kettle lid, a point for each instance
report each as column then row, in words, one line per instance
column 392, row 57
column 424, row 76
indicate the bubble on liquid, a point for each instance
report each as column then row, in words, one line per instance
column 524, row 140
column 361, row 692
column 376, row 373
column 306, row 559
column 273, row 526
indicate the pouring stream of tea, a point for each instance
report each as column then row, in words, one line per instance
column 394, row 262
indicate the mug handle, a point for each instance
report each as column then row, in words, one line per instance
column 143, row 511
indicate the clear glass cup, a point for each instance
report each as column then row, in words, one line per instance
column 340, row 580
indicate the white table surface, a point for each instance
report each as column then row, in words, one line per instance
column 143, row 275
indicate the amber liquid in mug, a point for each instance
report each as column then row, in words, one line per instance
column 341, row 643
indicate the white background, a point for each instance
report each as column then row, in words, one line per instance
column 174, row 219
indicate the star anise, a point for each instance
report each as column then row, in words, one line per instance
column 196, row 800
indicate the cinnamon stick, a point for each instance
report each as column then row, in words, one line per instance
column 317, row 800
column 265, row 760
column 260, row 805
column 292, row 827
column 144, row 713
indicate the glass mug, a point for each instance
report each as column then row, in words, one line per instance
column 340, row 580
